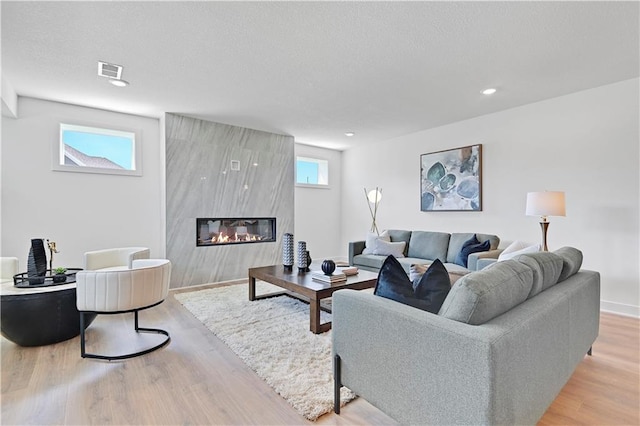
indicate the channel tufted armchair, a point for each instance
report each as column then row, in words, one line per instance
column 114, row 258
column 143, row 286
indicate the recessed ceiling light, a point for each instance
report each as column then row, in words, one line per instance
column 349, row 134
column 118, row 83
column 489, row 91
column 255, row 164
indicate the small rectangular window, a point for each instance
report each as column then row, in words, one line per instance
column 312, row 172
column 95, row 150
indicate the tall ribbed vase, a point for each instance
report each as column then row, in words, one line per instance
column 37, row 262
column 287, row 251
column 302, row 256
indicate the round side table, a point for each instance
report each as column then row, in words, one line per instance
column 40, row 315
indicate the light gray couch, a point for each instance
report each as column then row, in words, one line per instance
column 503, row 345
column 423, row 247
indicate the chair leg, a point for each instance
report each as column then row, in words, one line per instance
column 82, row 345
column 138, row 329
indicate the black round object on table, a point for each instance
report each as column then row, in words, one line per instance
column 328, row 266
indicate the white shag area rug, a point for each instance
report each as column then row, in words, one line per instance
column 272, row 337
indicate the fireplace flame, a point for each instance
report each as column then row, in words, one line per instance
column 222, row 238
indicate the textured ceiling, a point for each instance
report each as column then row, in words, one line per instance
column 315, row 70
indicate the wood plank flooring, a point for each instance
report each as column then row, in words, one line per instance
column 197, row 380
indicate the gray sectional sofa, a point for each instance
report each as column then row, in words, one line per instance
column 423, row 247
column 504, row 343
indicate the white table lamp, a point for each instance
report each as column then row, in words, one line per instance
column 544, row 204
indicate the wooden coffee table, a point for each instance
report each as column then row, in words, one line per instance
column 301, row 286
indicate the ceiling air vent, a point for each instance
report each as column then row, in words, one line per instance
column 108, row 70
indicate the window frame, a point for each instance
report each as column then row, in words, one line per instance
column 57, row 155
column 323, row 168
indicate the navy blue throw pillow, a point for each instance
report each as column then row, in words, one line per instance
column 472, row 245
column 434, row 286
column 393, row 283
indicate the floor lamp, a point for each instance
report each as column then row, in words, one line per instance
column 543, row 204
column 373, row 197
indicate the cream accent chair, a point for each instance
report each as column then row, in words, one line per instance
column 114, row 259
column 8, row 268
column 143, row 286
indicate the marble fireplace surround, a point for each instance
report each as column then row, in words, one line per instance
column 217, row 170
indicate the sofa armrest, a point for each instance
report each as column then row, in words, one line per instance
column 355, row 248
column 483, row 263
column 472, row 260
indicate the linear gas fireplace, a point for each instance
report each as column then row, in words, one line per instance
column 225, row 231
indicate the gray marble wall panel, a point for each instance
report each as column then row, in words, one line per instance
column 200, row 183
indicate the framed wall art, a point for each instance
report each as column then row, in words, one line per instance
column 451, row 180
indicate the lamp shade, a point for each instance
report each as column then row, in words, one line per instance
column 375, row 195
column 547, row 203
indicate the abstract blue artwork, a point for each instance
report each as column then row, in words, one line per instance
column 451, row 180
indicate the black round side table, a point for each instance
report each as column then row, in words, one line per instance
column 40, row 315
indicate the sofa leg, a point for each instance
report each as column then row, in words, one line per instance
column 336, row 384
column 589, row 352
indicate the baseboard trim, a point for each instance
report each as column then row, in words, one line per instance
column 620, row 309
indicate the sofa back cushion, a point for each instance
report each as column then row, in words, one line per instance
column 458, row 239
column 398, row 235
column 571, row 261
column 480, row 296
column 429, row 245
column 546, row 268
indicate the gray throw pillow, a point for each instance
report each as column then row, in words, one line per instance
column 571, row 261
column 546, row 268
column 384, row 248
column 480, row 296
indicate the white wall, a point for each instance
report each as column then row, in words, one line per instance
column 79, row 211
column 586, row 144
column 317, row 210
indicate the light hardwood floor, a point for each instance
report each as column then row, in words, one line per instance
column 196, row 379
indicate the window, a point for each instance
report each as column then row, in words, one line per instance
column 312, row 172
column 94, row 150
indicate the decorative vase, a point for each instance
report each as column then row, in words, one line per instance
column 37, row 262
column 302, row 256
column 59, row 278
column 308, row 261
column 287, row 251
column 328, row 266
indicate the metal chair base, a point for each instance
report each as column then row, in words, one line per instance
column 138, row 329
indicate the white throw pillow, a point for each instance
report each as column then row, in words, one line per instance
column 370, row 243
column 385, row 248
column 506, row 255
column 515, row 246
